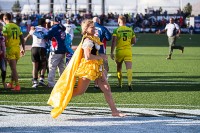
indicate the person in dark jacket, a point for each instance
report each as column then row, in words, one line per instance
column 56, row 36
column 104, row 35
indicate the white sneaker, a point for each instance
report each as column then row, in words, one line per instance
column 41, row 82
column 35, row 85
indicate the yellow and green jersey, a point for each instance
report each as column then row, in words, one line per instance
column 124, row 36
column 12, row 33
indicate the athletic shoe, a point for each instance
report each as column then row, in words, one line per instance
column 10, row 86
column 41, row 82
column 169, row 58
column 130, row 88
column 16, row 88
column 35, row 85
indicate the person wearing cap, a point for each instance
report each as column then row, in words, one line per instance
column 57, row 38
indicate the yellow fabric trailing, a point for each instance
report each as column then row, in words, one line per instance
column 63, row 89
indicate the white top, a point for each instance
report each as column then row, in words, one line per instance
column 36, row 41
column 89, row 44
column 170, row 28
column 70, row 29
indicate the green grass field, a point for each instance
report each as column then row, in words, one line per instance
column 157, row 82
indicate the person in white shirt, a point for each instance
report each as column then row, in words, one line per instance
column 70, row 28
column 38, row 53
column 173, row 31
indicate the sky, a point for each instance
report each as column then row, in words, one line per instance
column 111, row 5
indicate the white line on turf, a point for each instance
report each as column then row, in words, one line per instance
column 105, row 104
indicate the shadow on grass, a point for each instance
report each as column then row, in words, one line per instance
column 139, row 84
column 154, row 84
column 149, row 88
column 24, row 90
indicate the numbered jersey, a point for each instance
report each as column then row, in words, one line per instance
column 124, row 36
column 12, row 33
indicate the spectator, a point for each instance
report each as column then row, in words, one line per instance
column 191, row 29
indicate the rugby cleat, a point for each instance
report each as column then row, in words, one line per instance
column 16, row 88
column 10, row 86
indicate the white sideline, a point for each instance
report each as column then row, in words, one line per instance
column 149, row 105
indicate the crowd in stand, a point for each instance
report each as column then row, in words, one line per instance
column 154, row 20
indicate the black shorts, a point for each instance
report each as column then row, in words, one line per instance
column 38, row 54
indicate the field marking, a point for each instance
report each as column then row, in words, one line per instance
column 158, row 105
column 150, row 82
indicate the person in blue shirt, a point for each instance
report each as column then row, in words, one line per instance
column 57, row 39
column 104, row 35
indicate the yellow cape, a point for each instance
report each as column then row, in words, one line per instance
column 63, row 89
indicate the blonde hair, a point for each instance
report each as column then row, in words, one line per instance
column 85, row 24
column 122, row 18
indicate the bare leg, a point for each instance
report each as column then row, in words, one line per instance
column 35, row 70
column 13, row 67
column 119, row 73
column 82, row 86
column 105, row 87
column 43, row 70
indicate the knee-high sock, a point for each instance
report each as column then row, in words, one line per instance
column 129, row 76
column 119, row 76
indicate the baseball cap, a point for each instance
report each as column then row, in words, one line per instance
column 57, row 19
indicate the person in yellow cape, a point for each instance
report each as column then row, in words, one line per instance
column 87, row 65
